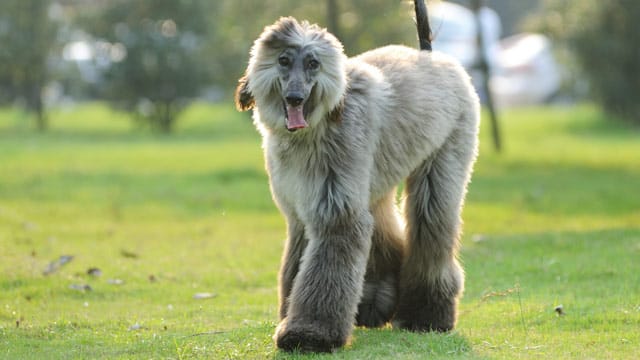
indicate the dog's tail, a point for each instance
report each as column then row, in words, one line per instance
column 422, row 23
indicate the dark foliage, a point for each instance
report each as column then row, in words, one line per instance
column 26, row 38
column 157, row 63
column 603, row 37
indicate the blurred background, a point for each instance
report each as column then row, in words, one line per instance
column 135, row 211
column 151, row 58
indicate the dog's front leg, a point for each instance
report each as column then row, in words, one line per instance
column 294, row 248
column 325, row 294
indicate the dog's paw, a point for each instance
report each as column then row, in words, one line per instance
column 426, row 313
column 308, row 337
column 423, row 325
column 378, row 303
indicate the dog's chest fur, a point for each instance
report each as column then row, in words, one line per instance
column 303, row 173
column 296, row 170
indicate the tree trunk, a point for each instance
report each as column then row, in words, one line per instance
column 167, row 117
column 36, row 68
column 483, row 65
column 35, row 104
column 333, row 23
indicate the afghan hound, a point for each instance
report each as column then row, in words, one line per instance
column 339, row 135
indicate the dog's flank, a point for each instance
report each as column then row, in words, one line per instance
column 362, row 125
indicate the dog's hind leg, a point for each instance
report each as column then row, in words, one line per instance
column 380, row 293
column 431, row 278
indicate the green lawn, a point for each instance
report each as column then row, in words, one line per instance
column 554, row 220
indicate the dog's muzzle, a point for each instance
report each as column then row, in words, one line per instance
column 294, row 110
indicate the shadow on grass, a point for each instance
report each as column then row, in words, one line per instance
column 255, row 342
column 108, row 136
column 558, row 188
column 589, row 266
column 243, row 188
column 546, row 189
column 96, row 123
column 594, row 126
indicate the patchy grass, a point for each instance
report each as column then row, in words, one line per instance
column 554, row 220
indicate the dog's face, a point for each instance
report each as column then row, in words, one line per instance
column 295, row 76
column 298, row 69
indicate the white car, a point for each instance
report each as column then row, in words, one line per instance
column 455, row 32
column 523, row 70
column 526, row 72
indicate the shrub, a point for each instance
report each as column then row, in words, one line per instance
column 603, row 38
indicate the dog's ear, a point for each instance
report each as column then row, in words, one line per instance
column 244, row 98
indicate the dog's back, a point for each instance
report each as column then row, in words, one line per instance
column 427, row 96
column 422, row 82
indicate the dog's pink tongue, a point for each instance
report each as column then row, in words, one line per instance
column 295, row 118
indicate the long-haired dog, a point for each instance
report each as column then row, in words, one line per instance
column 339, row 134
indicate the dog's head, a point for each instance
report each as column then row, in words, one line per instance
column 295, row 76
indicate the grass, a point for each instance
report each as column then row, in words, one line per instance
column 554, row 220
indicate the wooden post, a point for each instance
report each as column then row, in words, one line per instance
column 483, row 65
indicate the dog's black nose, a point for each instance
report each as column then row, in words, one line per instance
column 294, row 99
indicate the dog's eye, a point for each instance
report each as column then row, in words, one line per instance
column 283, row 61
column 313, row 64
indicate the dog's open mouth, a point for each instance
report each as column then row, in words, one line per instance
column 295, row 117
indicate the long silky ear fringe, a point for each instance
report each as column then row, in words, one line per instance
column 243, row 98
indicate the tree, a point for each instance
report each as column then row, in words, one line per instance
column 333, row 23
column 603, row 37
column 511, row 12
column 26, row 37
column 362, row 25
column 155, row 49
column 483, row 66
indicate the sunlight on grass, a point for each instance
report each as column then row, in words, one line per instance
column 554, row 220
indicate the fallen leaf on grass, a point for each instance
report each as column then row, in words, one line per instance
column 29, row 226
column 208, row 333
column 57, row 264
column 477, row 238
column 135, row 327
column 202, row 296
column 80, row 287
column 128, row 254
column 94, row 272
column 20, row 321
